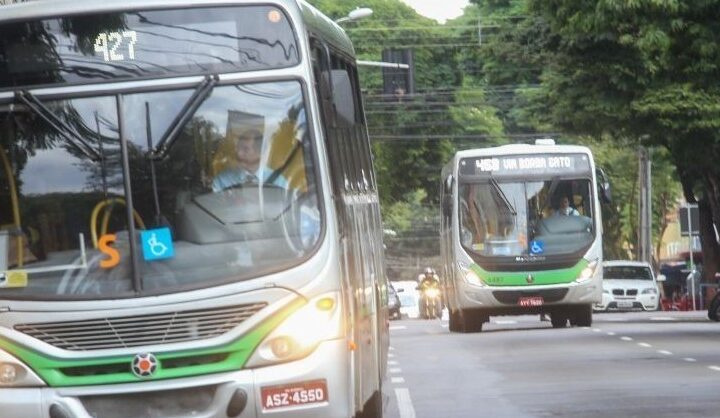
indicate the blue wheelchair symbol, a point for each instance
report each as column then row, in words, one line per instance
column 537, row 247
column 157, row 244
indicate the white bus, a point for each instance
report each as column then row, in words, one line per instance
column 189, row 222
column 521, row 233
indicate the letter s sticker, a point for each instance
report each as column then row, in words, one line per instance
column 113, row 254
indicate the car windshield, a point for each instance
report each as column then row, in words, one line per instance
column 627, row 273
column 526, row 218
column 233, row 195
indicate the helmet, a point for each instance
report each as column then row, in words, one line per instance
column 429, row 270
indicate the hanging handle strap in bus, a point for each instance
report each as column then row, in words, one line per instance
column 60, row 126
column 202, row 92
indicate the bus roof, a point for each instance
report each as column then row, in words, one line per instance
column 518, row 149
column 313, row 19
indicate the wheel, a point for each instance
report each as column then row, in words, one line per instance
column 455, row 319
column 374, row 406
column 471, row 321
column 714, row 308
column 558, row 319
column 581, row 316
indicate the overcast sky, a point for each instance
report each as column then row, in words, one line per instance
column 440, row 10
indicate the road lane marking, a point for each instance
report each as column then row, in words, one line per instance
column 391, row 355
column 504, row 322
column 392, row 348
column 397, row 327
column 662, row 318
column 665, row 352
column 444, row 325
column 690, row 359
column 405, row 405
column 395, row 370
column 716, row 368
column 397, row 379
column 597, row 330
column 392, row 363
column 646, row 345
column 610, row 333
column 626, row 338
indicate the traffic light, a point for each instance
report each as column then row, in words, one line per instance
column 396, row 81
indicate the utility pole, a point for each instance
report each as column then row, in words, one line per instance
column 645, row 206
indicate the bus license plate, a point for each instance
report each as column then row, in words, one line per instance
column 531, row 301
column 302, row 393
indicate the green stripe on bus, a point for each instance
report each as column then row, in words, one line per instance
column 237, row 353
column 520, row 278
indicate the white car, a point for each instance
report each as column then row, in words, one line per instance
column 409, row 298
column 629, row 285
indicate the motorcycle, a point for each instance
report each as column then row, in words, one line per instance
column 430, row 304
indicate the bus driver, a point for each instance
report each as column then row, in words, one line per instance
column 244, row 133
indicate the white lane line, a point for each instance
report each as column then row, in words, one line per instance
column 391, row 355
column 610, row 333
column 597, row 330
column 662, row 318
column 404, row 403
column 392, row 348
column 665, row 352
column 626, row 338
column 397, row 327
column 444, row 325
column 392, row 363
column 504, row 322
column 716, row 368
column 395, row 370
column 397, row 379
column 690, row 359
column 646, row 345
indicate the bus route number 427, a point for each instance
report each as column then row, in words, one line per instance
column 294, row 394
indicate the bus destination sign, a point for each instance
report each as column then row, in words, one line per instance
column 512, row 165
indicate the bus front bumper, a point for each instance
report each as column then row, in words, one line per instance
column 507, row 297
column 236, row 395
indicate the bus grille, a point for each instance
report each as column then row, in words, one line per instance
column 141, row 330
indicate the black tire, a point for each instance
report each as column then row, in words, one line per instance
column 374, row 406
column 455, row 325
column 581, row 316
column 558, row 319
column 714, row 308
column 472, row 321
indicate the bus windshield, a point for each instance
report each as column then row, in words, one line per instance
column 526, row 218
column 230, row 197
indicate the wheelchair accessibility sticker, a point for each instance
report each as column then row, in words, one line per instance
column 157, row 244
column 537, row 247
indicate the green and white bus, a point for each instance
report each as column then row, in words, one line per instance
column 521, row 233
column 150, row 264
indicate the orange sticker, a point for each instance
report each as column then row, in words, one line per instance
column 113, row 254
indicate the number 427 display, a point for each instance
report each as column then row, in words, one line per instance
column 114, row 44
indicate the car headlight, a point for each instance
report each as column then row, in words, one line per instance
column 298, row 335
column 14, row 373
column 470, row 275
column 588, row 272
column 650, row 291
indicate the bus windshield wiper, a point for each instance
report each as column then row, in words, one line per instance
column 202, row 91
column 502, row 195
column 60, row 126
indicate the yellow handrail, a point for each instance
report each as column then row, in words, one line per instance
column 106, row 217
column 15, row 204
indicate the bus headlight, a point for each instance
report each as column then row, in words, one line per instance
column 588, row 272
column 13, row 373
column 298, row 336
column 469, row 275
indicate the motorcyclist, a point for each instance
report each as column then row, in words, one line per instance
column 429, row 281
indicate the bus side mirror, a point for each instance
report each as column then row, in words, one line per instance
column 447, row 194
column 661, row 278
column 603, row 186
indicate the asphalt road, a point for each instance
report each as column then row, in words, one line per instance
column 645, row 364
